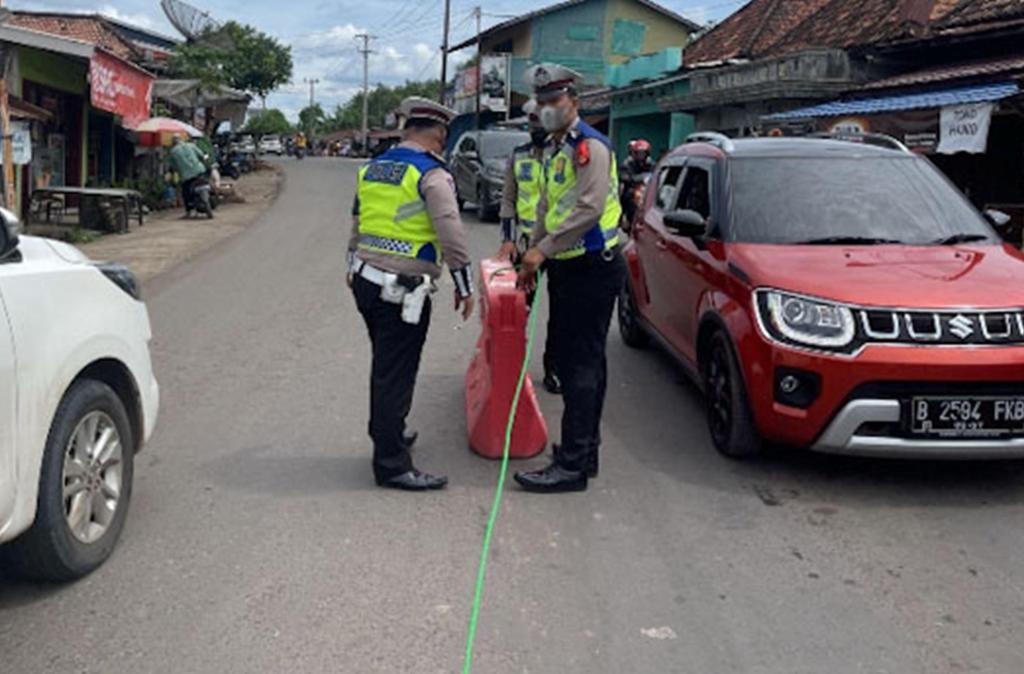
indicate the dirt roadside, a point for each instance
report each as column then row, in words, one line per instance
column 167, row 240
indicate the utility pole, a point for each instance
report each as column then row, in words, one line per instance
column 365, row 51
column 444, row 49
column 312, row 90
column 478, row 12
column 6, row 137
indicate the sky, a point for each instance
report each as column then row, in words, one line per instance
column 322, row 34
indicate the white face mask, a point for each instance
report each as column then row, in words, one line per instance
column 551, row 119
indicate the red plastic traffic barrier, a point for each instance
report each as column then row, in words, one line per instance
column 494, row 373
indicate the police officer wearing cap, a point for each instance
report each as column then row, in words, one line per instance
column 405, row 225
column 524, row 182
column 577, row 241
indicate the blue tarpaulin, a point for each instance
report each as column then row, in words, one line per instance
column 933, row 99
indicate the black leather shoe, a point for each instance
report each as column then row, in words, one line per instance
column 414, row 480
column 552, row 384
column 552, row 480
column 410, row 439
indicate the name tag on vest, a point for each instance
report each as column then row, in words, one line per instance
column 391, row 173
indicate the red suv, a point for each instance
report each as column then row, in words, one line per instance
column 838, row 295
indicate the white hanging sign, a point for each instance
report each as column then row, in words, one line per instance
column 964, row 128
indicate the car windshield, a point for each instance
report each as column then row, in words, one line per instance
column 500, row 145
column 849, row 200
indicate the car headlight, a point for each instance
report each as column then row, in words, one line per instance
column 122, row 277
column 806, row 321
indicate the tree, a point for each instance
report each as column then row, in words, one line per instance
column 237, row 56
column 312, row 119
column 258, row 63
column 382, row 100
column 268, row 122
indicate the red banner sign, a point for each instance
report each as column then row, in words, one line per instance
column 120, row 88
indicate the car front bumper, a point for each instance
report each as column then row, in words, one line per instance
column 860, row 409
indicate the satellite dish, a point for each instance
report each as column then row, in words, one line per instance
column 196, row 25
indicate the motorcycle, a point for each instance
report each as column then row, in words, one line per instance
column 633, row 197
column 300, row 152
column 203, row 198
column 228, row 166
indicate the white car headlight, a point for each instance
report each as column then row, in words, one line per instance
column 806, row 321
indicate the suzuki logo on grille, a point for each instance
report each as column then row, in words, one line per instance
column 961, row 326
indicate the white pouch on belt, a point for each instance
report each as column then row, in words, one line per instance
column 391, row 291
column 412, row 303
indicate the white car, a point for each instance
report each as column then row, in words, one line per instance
column 271, row 145
column 77, row 401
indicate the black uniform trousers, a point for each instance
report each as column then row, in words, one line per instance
column 583, row 295
column 397, row 347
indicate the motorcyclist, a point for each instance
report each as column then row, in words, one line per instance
column 191, row 164
column 634, row 171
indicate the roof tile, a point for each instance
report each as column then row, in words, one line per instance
column 85, row 28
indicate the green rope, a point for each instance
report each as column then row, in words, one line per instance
column 531, row 331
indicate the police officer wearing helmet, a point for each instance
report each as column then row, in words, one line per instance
column 524, row 181
column 577, row 241
column 405, row 225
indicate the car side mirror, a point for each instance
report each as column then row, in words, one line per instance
column 686, row 223
column 999, row 220
column 8, row 232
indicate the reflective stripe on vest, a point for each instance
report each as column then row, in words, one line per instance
column 393, row 216
column 529, row 173
column 563, row 193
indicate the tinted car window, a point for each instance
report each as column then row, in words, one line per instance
column 793, row 200
column 695, row 193
column 468, row 144
column 500, row 145
column 668, row 181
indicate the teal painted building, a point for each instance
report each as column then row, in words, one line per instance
column 586, row 35
column 637, row 87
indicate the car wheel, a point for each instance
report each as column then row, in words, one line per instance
column 633, row 333
column 730, row 420
column 85, row 485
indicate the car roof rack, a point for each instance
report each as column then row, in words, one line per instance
column 719, row 140
column 876, row 139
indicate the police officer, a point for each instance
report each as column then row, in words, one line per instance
column 524, row 179
column 405, row 216
column 577, row 240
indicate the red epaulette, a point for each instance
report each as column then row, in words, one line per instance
column 582, row 153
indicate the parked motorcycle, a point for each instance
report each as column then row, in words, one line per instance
column 228, row 166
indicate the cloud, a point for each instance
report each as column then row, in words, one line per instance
column 140, row 20
column 333, row 41
column 424, row 51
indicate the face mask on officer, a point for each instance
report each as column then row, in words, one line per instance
column 558, row 114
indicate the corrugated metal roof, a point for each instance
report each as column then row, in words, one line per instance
column 931, row 99
column 957, row 71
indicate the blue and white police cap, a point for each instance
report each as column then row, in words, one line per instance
column 550, row 80
column 416, row 107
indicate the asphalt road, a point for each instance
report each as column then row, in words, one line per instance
column 258, row 543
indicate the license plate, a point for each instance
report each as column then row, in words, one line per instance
column 967, row 417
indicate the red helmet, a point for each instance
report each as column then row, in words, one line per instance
column 639, row 145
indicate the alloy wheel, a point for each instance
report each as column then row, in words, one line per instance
column 92, row 476
column 719, row 393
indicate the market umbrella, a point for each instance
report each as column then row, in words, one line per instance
column 168, row 125
column 159, row 131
